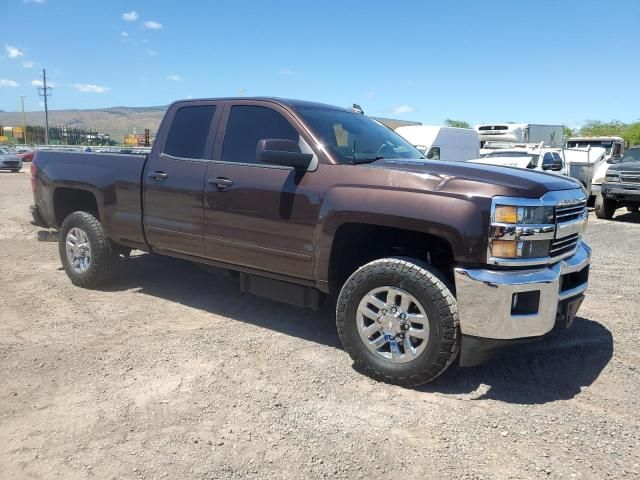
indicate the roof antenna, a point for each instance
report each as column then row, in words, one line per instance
column 357, row 108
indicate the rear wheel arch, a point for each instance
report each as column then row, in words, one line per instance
column 67, row 200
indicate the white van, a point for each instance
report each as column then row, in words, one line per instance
column 443, row 143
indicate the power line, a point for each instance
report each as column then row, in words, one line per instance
column 24, row 123
column 45, row 92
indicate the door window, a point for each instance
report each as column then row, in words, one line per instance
column 189, row 131
column 617, row 149
column 248, row 125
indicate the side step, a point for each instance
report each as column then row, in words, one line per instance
column 48, row 235
column 280, row 291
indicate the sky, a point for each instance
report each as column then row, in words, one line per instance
column 544, row 61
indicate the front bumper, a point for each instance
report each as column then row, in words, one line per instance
column 519, row 304
column 10, row 164
column 621, row 192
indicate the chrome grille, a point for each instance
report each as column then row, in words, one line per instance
column 566, row 214
column 571, row 212
column 630, row 177
column 564, row 245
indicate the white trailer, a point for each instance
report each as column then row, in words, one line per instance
column 531, row 133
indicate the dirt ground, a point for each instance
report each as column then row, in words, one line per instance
column 172, row 373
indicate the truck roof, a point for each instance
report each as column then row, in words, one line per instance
column 282, row 101
column 600, row 138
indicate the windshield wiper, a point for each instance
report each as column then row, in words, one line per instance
column 356, row 161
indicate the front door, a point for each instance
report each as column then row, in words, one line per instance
column 258, row 215
column 174, row 181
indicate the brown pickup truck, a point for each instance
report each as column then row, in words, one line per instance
column 428, row 260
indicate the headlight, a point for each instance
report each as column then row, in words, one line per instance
column 523, row 215
column 521, row 231
column 612, row 177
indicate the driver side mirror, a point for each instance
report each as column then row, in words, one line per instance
column 282, row 152
column 615, row 159
column 554, row 166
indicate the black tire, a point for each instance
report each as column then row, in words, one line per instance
column 423, row 283
column 605, row 207
column 16, row 170
column 633, row 208
column 102, row 256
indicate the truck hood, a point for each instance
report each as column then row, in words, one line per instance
column 478, row 179
column 625, row 167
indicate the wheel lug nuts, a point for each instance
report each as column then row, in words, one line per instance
column 403, row 316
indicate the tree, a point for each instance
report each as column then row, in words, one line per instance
column 456, row 123
column 568, row 132
column 631, row 134
column 596, row 128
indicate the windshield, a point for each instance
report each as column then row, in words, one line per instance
column 3, row 152
column 354, row 138
column 632, row 155
column 606, row 144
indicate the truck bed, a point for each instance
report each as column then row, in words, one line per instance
column 114, row 181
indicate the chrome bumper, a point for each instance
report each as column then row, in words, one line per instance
column 486, row 297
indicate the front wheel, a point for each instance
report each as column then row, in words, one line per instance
column 85, row 251
column 605, row 207
column 398, row 321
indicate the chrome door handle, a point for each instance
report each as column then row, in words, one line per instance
column 158, row 176
column 221, row 182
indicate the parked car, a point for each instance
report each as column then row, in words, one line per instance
column 427, row 260
column 9, row 161
column 26, row 155
column 443, row 143
column 621, row 187
column 532, row 158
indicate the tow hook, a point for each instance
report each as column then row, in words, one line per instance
column 48, row 235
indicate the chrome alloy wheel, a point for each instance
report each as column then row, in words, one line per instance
column 393, row 324
column 78, row 250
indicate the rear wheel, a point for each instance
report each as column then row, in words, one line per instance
column 85, row 251
column 15, row 170
column 398, row 321
column 605, row 207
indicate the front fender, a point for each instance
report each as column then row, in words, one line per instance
column 461, row 220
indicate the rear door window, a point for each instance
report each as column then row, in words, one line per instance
column 189, row 131
column 247, row 125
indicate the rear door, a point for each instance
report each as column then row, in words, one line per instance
column 174, row 179
column 259, row 215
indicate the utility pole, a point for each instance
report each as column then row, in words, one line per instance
column 45, row 93
column 24, row 123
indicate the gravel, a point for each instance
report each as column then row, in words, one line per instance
column 170, row 372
